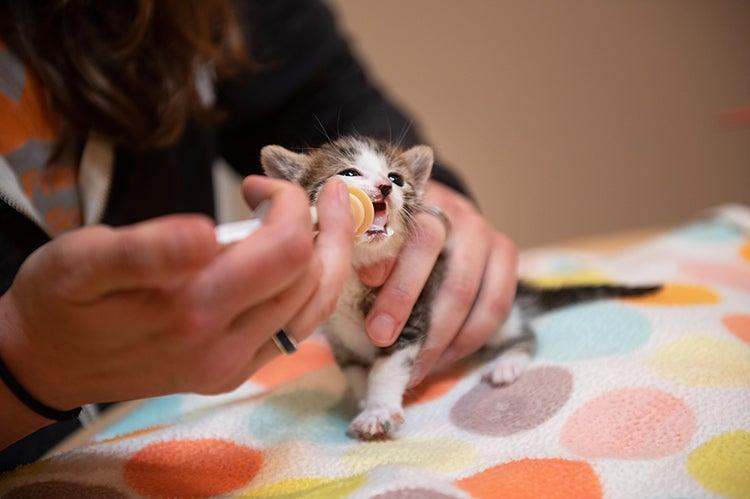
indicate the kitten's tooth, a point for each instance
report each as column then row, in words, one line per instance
column 389, row 232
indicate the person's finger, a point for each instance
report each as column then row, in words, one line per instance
column 252, row 270
column 262, row 321
column 334, row 247
column 396, row 298
column 466, row 258
column 158, row 253
column 492, row 305
column 233, row 354
column 376, row 274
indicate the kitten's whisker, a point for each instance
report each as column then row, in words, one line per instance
column 322, row 128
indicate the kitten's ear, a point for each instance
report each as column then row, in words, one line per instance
column 282, row 163
column 420, row 158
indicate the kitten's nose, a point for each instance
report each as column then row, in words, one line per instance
column 385, row 189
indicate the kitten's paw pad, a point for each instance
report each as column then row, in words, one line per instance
column 506, row 370
column 375, row 424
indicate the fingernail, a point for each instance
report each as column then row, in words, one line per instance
column 343, row 193
column 382, row 328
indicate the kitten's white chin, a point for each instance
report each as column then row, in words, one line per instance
column 372, row 248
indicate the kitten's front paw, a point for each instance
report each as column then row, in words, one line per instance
column 507, row 369
column 376, row 423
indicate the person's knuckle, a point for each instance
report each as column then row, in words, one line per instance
column 462, row 290
column 194, row 321
column 499, row 308
column 397, row 297
column 506, row 245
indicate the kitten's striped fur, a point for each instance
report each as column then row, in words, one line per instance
column 378, row 376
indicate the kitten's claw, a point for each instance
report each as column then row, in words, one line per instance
column 507, row 369
column 375, row 423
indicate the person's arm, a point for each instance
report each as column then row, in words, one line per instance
column 16, row 419
column 307, row 87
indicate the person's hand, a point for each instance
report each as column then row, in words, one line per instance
column 475, row 296
column 102, row 314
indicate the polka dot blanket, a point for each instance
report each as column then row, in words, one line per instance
column 630, row 398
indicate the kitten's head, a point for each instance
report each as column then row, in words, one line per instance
column 394, row 180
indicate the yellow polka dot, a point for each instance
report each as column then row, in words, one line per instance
column 313, row 488
column 745, row 251
column 703, row 361
column 445, row 455
column 577, row 278
column 678, row 294
column 721, row 465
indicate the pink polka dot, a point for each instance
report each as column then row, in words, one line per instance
column 736, row 276
column 630, row 423
column 739, row 325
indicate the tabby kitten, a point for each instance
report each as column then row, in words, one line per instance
column 395, row 179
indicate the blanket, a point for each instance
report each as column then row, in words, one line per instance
column 646, row 397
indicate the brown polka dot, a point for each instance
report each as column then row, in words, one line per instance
column 60, row 489
column 414, row 494
column 527, row 403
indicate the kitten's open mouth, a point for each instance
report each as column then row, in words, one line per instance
column 379, row 225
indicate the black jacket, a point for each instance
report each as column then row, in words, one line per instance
column 309, row 84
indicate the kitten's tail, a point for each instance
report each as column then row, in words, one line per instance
column 545, row 299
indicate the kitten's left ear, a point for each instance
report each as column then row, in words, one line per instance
column 420, row 158
column 282, row 163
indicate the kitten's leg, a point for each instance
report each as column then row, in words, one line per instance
column 382, row 411
column 356, row 376
column 518, row 344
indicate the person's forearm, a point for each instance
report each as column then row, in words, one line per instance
column 16, row 420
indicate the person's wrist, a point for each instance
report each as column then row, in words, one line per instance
column 25, row 364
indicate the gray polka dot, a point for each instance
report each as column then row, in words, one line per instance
column 527, row 403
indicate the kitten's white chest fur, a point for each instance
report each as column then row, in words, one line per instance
column 347, row 324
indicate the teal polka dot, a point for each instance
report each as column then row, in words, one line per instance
column 151, row 413
column 717, row 231
column 591, row 330
column 306, row 415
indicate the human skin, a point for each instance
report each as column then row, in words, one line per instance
column 158, row 307
column 476, row 294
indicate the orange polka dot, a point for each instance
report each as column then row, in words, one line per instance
column 534, row 478
column 745, row 251
column 191, row 468
column 739, row 325
column 311, row 356
column 434, row 386
column 678, row 294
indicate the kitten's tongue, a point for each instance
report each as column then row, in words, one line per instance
column 379, row 221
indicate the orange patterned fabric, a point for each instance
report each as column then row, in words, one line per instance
column 29, row 132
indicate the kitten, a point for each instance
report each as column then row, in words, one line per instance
column 395, row 180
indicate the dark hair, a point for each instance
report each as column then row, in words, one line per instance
column 124, row 68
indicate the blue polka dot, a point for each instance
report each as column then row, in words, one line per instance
column 311, row 416
column 151, row 413
column 591, row 330
column 717, row 231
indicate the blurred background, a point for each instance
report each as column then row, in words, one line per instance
column 571, row 118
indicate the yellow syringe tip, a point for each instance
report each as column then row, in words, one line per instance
column 362, row 210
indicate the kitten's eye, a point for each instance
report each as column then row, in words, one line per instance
column 396, row 179
column 349, row 172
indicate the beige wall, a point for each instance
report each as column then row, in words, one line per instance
column 575, row 117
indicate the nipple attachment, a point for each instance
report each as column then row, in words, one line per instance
column 363, row 212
